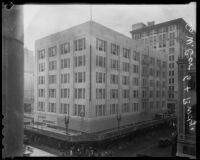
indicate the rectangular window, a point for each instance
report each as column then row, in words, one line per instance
column 163, row 94
column 113, row 93
column 79, row 110
column 125, row 80
column 158, row 63
column 171, row 50
column 171, row 43
column 41, row 92
column 152, row 61
column 100, row 93
column 135, row 69
column 157, row 94
column 114, row 64
column 65, row 48
column 114, row 49
column 100, row 110
column 136, row 56
column 126, row 53
column 151, row 83
column 135, row 93
column 163, row 74
column 125, row 93
column 125, row 107
column 101, row 45
column 65, row 63
column 158, row 84
column 114, row 79
column 52, row 79
column 125, row 67
column 144, row 94
column 151, row 94
column 113, row 108
column 172, row 35
column 52, row 107
column 52, row 65
column 79, row 77
column 41, row 67
column 100, row 61
column 64, row 108
column 41, row 80
column 135, row 107
column 79, row 44
column 157, row 104
column 151, row 106
column 100, row 77
column 41, row 54
column 65, row 78
column 79, row 93
column 135, row 81
column 41, row 106
column 52, row 93
column 79, row 61
column 158, row 73
column 64, row 93
column 52, row 51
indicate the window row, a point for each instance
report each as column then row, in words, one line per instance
column 154, row 31
column 65, row 78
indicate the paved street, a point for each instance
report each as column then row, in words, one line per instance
column 143, row 144
column 147, row 144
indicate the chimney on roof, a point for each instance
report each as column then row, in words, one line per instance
column 151, row 23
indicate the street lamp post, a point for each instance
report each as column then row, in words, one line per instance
column 66, row 123
column 118, row 120
column 82, row 116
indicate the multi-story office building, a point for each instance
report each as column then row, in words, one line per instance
column 167, row 38
column 93, row 75
column 29, row 61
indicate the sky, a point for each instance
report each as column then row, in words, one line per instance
column 43, row 20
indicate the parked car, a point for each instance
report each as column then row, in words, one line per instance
column 164, row 142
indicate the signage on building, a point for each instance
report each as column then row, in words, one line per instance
column 189, row 86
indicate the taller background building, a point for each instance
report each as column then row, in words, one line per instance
column 29, row 65
column 167, row 38
column 94, row 75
